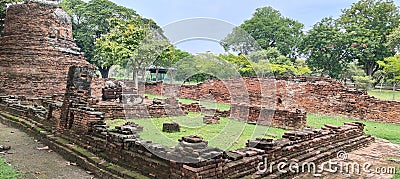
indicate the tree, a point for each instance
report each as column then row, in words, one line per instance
column 301, row 68
column 327, row 48
column 353, row 69
column 240, row 41
column 391, row 66
column 271, row 60
column 3, row 11
column 269, row 29
column 240, row 62
column 90, row 22
column 205, row 66
column 394, row 40
column 368, row 24
column 129, row 44
column 146, row 53
column 363, row 82
column 168, row 58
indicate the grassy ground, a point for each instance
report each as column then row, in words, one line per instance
column 386, row 131
column 230, row 134
column 6, row 171
column 397, row 175
column 385, row 94
column 206, row 104
column 239, row 132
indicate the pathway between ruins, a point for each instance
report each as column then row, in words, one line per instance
column 34, row 160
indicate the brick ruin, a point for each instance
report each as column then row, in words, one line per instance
column 292, row 96
column 192, row 157
column 36, row 50
column 51, row 92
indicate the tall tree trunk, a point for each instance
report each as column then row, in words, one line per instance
column 136, row 77
column 104, row 71
column 370, row 68
column 143, row 74
column 377, row 81
column 394, row 90
column 171, row 76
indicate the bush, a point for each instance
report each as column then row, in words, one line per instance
column 363, row 82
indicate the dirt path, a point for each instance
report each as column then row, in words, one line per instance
column 33, row 160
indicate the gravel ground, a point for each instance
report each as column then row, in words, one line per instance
column 34, row 160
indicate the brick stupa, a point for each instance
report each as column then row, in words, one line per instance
column 36, row 50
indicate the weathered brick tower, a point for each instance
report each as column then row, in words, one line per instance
column 36, row 50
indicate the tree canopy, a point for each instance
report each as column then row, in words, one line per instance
column 391, row 66
column 327, row 48
column 91, row 20
column 269, row 29
column 368, row 24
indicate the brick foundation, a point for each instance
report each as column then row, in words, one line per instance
column 124, row 147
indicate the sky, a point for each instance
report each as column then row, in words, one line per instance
column 176, row 15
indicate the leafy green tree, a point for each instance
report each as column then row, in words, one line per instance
column 368, row 24
column 394, row 40
column 353, row 69
column 130, row 44
column 269, row 29
column 363, row 82
column 271, row 60
column 91, row 20
column 391, row 66
column 168, row 58
column 327, row 48
column 205, row 66
column 147, row 52
column 301, row 68
column 240, row 41
column 240, row 62
column 3, row 11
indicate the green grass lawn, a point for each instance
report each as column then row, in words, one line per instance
column 232, row 134
column 210, row 105
column 385, row 94
column 228, row 135
column 6, row 171
column 386, row 131
column 397, row 175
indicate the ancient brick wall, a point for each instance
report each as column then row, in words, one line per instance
column 36, row 50
column 332, row 98
column 268, row 117
column 313, row 95
column 287, row 119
